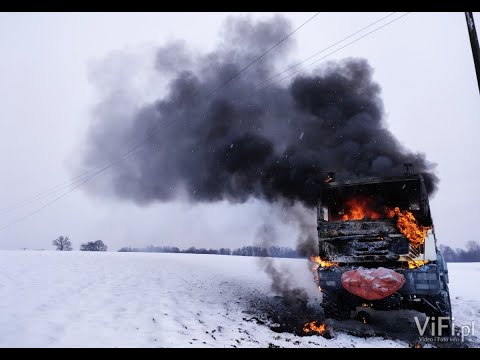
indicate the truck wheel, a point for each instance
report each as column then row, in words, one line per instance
column 334, row 307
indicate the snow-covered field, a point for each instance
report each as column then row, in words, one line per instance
column 91, row 299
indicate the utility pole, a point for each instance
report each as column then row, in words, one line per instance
column 474, row 42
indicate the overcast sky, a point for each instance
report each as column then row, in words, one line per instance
column 423, row 63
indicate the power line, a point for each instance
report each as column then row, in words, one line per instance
column 65, row 193
column 322, row 51
column 58, row 188
column 333, row 52
column 75, row 179
column 122, row 157
column 260, row 57
column 50, row 191
column 131, row 152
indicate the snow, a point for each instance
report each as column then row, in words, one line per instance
column 108, row 299
column 465, row 293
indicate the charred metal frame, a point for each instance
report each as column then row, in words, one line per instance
column 352, row 244
column 365, row 241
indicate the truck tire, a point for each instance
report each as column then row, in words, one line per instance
column 334, row 307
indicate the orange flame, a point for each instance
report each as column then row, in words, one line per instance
column 314, row 326
column 359, row 209
column 413, row 264
column 319, row 262
column 407, row 224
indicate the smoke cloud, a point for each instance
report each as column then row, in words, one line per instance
column 275, row 145
column 283, row 281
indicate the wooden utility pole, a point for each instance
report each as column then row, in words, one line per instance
column 474, row 42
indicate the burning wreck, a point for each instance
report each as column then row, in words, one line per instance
column 275, row 148
column 377, row 247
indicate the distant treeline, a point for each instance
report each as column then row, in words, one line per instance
column 272, row 251
column 471, row 254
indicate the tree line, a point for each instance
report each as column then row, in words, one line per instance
column 470, row 254
column 63, row 243
column 271, row 251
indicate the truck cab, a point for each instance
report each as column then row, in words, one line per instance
column 377, row 247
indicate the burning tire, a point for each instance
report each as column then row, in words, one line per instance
column 334, row 306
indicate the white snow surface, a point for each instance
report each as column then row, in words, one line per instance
column 107, row 299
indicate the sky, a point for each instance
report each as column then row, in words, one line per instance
column 48, row 71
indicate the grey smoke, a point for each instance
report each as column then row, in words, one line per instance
column 282, row 280
column 275, row 145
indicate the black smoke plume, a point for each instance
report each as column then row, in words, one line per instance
column 236, row 143
column 276, row 145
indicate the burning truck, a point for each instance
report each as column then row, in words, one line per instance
column 377, row 248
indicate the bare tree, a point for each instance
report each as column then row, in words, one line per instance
column 473, row 247
column 93, row 246
column 62, row 243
